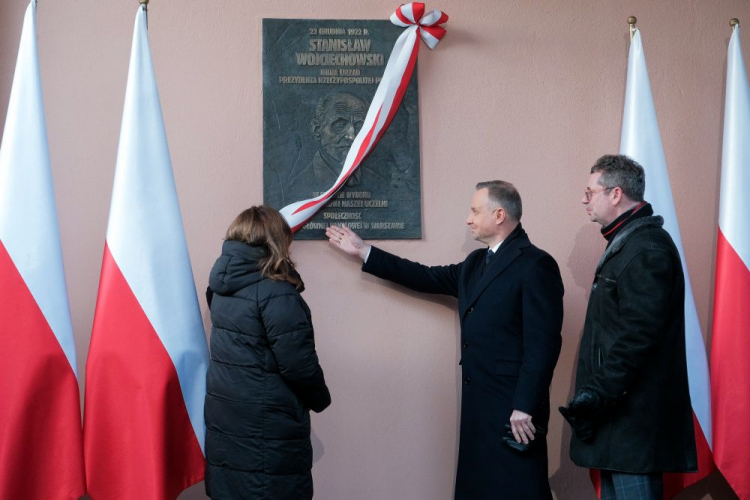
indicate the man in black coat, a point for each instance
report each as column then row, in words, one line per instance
column 631, row 413
column 510, row 306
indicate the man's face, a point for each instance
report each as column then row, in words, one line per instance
column 482, row 217
column 597, row 200
column 340, row 125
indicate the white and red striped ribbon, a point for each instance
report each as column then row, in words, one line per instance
column 384, row 105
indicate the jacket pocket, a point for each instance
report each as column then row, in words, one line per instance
column 611, row 281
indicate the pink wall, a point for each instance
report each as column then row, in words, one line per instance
column 526, row 91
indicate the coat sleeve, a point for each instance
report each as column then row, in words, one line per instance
column 290, row 334
column 542, row 299
column 420, row 278
column 644, row 292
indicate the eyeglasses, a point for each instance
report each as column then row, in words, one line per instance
column 589, row 193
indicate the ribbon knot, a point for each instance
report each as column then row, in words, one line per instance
column 428, row 25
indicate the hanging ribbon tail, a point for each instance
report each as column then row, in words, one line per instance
column 385, row 103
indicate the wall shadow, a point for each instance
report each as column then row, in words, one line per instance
column 583, row 258
column 570, row 482
column 317, row 445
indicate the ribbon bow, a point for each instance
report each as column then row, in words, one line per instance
column 428, row 25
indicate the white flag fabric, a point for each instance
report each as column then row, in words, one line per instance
column 641, row 141
column 146, row 371
column 41, row 449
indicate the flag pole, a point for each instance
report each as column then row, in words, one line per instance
column 631, row 22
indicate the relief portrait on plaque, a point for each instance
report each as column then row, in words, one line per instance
column 319, row 77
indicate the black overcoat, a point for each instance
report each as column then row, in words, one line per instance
column 633, row 356
column 511, row 316
column 263, row 378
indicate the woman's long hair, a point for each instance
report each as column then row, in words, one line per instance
column 263, row 226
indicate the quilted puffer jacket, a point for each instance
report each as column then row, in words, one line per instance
column 263, row 378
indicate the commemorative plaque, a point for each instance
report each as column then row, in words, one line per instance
column 318, row 79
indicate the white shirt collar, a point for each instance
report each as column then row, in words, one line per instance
column 494, row 249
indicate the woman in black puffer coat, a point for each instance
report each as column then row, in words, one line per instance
column 264, row 375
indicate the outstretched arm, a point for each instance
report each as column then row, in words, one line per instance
column 420, row 278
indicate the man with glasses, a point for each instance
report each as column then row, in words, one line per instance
column 631, row 412
column 511, row 309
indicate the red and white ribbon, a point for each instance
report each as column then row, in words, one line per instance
column 384, row 105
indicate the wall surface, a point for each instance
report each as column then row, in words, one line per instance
column 526, row 91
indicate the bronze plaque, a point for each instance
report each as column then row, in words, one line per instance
column 318, row 79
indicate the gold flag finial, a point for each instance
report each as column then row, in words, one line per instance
column 734, row 22
column 631, row 22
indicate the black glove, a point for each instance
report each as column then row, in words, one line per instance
column 581, row 413
column 585, row 403
column 583, row 427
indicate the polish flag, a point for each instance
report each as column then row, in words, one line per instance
column 41, row 448
column 641, row 141
column 146, row 368
column 730, row 345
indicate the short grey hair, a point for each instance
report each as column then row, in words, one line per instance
column 623, row 172
column 504, row 194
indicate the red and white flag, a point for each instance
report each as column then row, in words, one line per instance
column 730, row 344
column 641, row 141
column 41, row 452
column 146, row 368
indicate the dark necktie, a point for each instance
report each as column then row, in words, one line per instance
column 488, row 257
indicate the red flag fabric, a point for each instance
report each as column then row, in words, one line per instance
column 41, row 453
column 139, row 439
